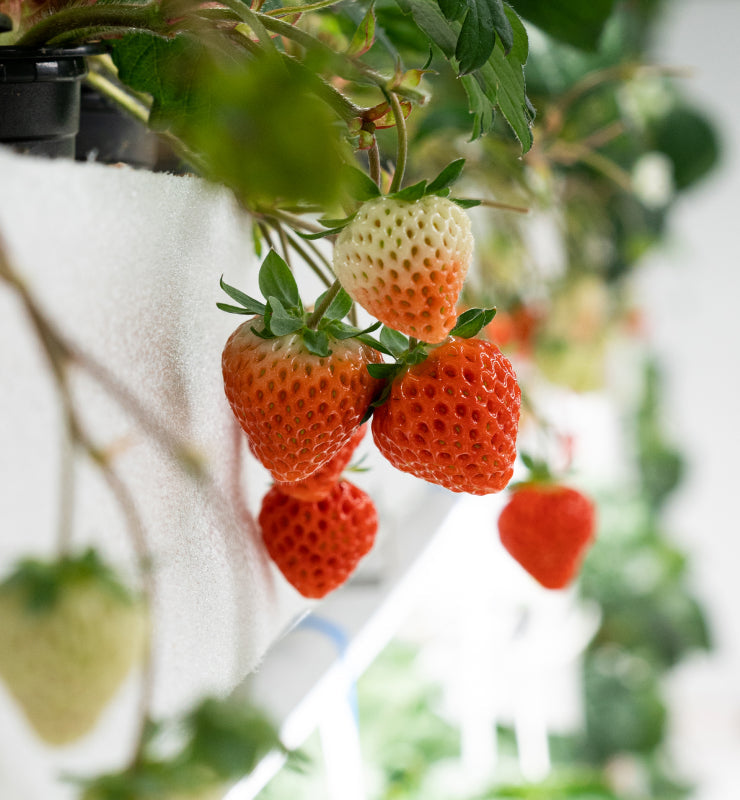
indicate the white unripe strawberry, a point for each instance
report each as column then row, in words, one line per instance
column 64, row 653
column 405, row 263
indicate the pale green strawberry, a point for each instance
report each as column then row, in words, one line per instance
column 69, row 635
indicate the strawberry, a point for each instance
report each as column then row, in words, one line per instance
column 321, row 482
column 297, row 409
column 547, row 528
column 297, row 382
column 405, row 262
column 317, row 544
column 69, row 635
column 453, row 418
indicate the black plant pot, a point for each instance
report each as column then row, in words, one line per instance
column 110, row 136
column 40, row 98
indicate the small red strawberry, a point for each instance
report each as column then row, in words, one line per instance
column 547, row 528
column 453, row 418
column 296, row 381
column 320, row 484
column 405, row 262
column 318, row 544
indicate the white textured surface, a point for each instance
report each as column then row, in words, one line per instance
column 127, row 265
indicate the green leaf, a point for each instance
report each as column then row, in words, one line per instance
column 476, row 39
column 576, row 22
column 472, row 321
column 452, row 9
column 498, row 82
column 276, row 280
column 411, row 193
column 281, row 322
column 317, row 342
column 447, row 177
column 396, row 342
column 165, row 68
column 250, row 305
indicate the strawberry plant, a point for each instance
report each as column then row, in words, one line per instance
column 340, row 128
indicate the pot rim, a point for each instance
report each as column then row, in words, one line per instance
column 75, row 51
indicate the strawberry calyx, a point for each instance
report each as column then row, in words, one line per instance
column 282, row 313
column 41, row 583
column 540, row 474
column 362, row 188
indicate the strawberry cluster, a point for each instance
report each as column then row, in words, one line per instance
column 444, row 403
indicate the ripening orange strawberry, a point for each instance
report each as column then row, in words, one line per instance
column 405, row 262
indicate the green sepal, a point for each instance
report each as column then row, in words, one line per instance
column 337, row 223
column 471, row 322
column 40, row 582
column 234, row 309
column 466, row 202
column 411, row 193
column 340, row 330
column 276, row 280
column 317, row 342
column 384, row 371
column 539, row 472
column 339, row 307
column 396, row 343
column 250, row 305
column 374, row 343
column 281, row 322
column 447, row 177
column 359, row 185
column 263, row 333
column 320, row 234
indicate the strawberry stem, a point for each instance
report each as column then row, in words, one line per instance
column 373, row 157
column 313, row 321
column 403, row 142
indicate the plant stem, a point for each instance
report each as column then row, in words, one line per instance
column 373, row 158
column 403, row 143
column 120, row 96
column 327, row 281
column 313, row 321
column 79, row 18
column 505, row 206
column 288, row 10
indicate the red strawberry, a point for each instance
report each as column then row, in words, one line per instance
column 405, row 262
column 318, row 544
column 453, row 418
column 297, row 408
column 320, row 484
column 547, row 528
